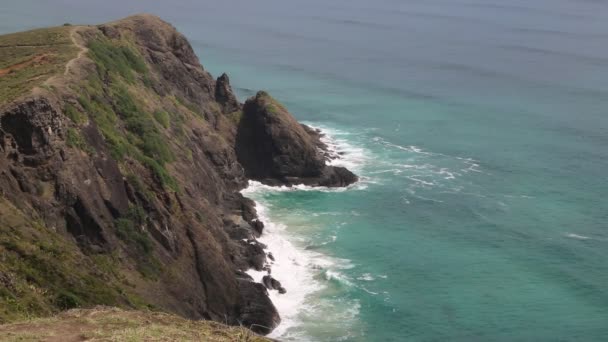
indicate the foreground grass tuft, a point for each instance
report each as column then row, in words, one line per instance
column 111, row 324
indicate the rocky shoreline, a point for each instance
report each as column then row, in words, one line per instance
column 123, row 173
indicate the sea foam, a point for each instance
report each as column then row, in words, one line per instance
column 295, row 266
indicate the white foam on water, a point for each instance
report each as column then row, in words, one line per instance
column 341, row 151
column 366, row 277
column 577, row 236
column 257, row 186
column 293, row 267
column 296, row 267
column 432, row 163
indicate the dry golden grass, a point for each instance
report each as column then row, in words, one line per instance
column 111, row 324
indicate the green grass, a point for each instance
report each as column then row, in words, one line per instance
column 140, row 187
column 129, row 130
column 271, row 104
column 162, row 118
column 75, row 140
column 33, row 57
column 117, row 58
column 41, row 273
column 74, row 114
column 130, row 229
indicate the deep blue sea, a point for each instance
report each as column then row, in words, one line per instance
column 479, row 129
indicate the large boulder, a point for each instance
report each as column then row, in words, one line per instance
column 257, row 311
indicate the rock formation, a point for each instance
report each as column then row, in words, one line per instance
column 120, row 181
column 275, row 149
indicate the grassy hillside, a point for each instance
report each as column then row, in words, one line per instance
column 27, row 59
column 41, row 273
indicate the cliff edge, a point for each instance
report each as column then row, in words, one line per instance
column 121, row 165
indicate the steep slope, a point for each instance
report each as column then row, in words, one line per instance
column 125, row 159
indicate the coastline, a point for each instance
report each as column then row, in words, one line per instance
column 300, row 268
column 157, row 182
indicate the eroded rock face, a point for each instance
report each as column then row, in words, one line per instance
column 275, row 149
column 32, row 126
column 225, row 96
column 257, row 311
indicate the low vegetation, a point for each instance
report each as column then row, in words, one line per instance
column 111, row 324
column 28, row 59
column 75, row 140
column 272, row 106
column 41, row 273
column 129, row 130
column 117, row 58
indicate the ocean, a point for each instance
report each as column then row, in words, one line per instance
column 479, row 129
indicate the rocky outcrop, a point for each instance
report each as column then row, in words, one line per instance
column 135, row 161
column 275, row 149
column 273, row 284
column 257, row 311
column 225, row 96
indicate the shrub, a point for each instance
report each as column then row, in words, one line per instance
column 75, row 140
column 74, row 114
column 162, row 118
column 66, row 300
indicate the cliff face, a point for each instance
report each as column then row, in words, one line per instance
column 120, row 175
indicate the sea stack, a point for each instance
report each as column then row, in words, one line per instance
column 276, row 149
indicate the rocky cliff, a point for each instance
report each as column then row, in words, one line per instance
column 121, row 165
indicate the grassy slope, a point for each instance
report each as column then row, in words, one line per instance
column 108, row 324
column 41, row 273
column 27, row 59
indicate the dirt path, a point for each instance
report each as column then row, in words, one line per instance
column 39, row 59
column 83, row 51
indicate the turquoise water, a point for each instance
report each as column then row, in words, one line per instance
column 479, row 129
